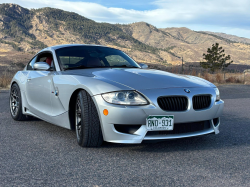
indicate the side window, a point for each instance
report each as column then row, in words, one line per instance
column 46, row 57
column 31, row 64
column 42, row 59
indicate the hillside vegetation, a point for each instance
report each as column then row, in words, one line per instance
column 28, row 31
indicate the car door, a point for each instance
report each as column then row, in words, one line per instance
column 38, row 88
column 56, row 104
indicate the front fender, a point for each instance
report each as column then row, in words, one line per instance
column 67, row 84
column 20, row 78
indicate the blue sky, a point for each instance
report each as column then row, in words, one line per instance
column 127, row 4
column 227, row 16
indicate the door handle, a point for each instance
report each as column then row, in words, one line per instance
column 28, row 79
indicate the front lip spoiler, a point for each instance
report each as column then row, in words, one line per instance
column 184, row 135
column 213, row 129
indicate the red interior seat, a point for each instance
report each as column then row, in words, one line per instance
column 49, row 60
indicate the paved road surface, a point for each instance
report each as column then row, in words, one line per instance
column 36, row 153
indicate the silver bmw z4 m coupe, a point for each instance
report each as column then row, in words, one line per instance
column 104, row 95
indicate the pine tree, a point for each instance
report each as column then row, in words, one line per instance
column 215, row 58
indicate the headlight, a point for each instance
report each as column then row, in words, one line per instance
column 125, row 98
column 217, row 94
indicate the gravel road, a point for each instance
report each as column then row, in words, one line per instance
column 36, row 153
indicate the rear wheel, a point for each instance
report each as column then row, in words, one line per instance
column 16, row 103
column 87, row 122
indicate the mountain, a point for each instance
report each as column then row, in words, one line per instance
column 28, row 31
column 230, row 37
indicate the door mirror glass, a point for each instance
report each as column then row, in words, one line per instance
column 43, row 66
column 143, row 66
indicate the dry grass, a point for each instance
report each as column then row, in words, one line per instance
column 219, row 78
column 193, row 72
column 234, row 80
column 7, row 72
column 230, row 80
column 5, row 79
column 208, row 77
column 247, row 78
column 175, row 70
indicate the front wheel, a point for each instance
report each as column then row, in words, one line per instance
column 16, row 103
column 87, row 122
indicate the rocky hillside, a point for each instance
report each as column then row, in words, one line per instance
column 185, row 42
column 28, row 31
column 230, row 37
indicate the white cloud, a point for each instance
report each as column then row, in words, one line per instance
column 232, row 15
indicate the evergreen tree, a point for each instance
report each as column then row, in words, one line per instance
column 215, row 58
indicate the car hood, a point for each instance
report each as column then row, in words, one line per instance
column 140, row 79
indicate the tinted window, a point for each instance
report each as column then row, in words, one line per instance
column 93, row 56
column 31, row 64
column 116, row 60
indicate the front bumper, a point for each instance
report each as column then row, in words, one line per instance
column 136, row 115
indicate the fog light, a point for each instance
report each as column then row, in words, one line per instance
column 105, row 112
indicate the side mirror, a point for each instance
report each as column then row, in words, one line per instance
column 43, row 66
column 143, row 66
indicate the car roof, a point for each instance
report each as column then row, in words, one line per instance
column 55, row 47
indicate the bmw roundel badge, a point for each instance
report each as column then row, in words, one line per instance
column 187, row 90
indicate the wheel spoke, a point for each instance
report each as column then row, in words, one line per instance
column 78, row 117
column 78, row 127
column 14, row 111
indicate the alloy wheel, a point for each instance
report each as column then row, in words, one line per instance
column 14, row 101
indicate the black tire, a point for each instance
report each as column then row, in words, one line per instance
column 87, row 122
column 16, row 104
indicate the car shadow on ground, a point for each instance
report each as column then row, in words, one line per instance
column 32, row 118
column 209, row 142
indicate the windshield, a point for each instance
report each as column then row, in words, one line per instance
column 80, row 57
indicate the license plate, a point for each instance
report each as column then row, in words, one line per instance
column 158, row 123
